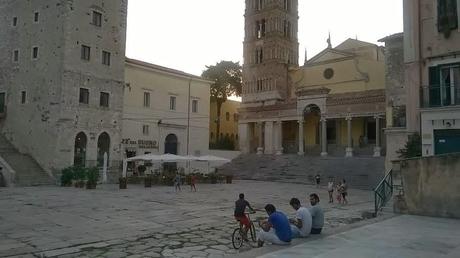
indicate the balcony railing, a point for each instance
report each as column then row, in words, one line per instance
column 439, row 96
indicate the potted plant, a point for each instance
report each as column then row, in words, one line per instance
column 92, row 175
column 123, row 182
column 80, row 176
column 67, row 175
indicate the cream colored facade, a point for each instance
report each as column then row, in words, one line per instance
column 343, row 111
column 228, row 121
column 159, row 116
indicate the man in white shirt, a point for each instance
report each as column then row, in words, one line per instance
column 301, row 225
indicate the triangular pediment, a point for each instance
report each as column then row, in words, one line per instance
column 329, row 54
column 350, row 44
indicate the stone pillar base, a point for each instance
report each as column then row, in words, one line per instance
column 300, row 153
column 349, row 152
column 377, row 151
column 279, row 152
column 323, row 154
column 260, row 150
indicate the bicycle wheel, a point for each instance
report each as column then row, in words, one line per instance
column 237, row 238
column 253, row 232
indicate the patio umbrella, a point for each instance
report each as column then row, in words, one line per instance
column 145, row 157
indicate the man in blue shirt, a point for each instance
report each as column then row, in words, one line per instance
column 276, row 230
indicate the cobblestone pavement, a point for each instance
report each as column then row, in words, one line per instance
column 145, row 222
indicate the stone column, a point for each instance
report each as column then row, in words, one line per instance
column 243, row 137
column 349, row 149
column 269, row 136
column 323, row 136
column 279, row 137
column 301, row 149
column 377, row 148
column 260, row 148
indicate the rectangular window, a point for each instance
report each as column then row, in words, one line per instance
column 23, row 97
column 35, row 53
column 2, row 102
column 105, row 58
column 145, row 130
column 15, row 21
column 36, row 17
column 146, row 99
column 84, row 96
column 194, row 106
column 447, row 16
column 172, row 103
column 97, row 19
column 104, row 99
column 16, row 56
column 235, row 117
column 85, row 52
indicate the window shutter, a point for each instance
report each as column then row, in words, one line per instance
column 452, row 16
column 434, row 89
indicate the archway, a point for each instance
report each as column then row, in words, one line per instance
column 171, row 144
column 79, row 156
column 103, row 146
column 171, row 148
column 312, row 116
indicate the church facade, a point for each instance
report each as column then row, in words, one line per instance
column 333, row 104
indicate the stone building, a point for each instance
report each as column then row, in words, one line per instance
column 333, row 104
column 395, row 131
column 165, row 111
column 62, row 78
column 432, row 73
column 228, row 122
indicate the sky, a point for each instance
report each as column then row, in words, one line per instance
column 187, row 35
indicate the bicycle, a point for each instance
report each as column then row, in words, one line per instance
column 238, row 236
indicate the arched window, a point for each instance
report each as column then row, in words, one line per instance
column 79, row 156
column 171, row 144
column 103, row 146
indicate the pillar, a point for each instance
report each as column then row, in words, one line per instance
column 349, row 149
column 243, row 137
column 301, row 149
column 323, row 136
column 260, row 148
column 279, row 138
column 377, row 148
column 269, row 137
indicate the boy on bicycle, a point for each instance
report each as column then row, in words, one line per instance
column 240, row 207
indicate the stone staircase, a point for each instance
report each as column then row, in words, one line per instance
column 359, row 172
column 28, row 171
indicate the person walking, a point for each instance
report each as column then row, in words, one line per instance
column 318, row 180
column 330, row 190
column 344, row 191
column 193, row 182
column 177, row 182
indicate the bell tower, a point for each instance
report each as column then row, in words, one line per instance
column 270, row 48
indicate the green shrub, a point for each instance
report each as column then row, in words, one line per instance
column 67, row 175
column 92, row 175
column 412, row 148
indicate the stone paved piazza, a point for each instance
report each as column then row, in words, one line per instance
column 146, row 222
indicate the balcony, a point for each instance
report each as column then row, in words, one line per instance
column 434, row 96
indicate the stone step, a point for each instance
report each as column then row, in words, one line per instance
column 28, row 171
column 360, row 172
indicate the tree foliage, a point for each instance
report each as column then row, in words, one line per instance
column 227, row 77
column 412, row 148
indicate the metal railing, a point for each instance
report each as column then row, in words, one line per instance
column 439, row 96
column 383, row 192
